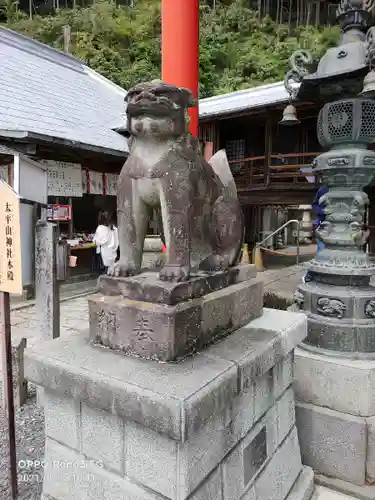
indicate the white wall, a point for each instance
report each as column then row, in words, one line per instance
column 32, row 181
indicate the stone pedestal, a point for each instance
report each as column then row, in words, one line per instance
column 146, row 317
column 336, row 417
column 219, row 425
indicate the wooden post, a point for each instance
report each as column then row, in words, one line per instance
column 67, row 32
column 208, row 150
column 10, row 282
column 6, row 347
column 71, row 223
column 267, row 150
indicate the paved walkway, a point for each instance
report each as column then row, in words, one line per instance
column 67, row 292
column 282, row 282
column 73, row 317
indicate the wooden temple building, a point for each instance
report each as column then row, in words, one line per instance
column 268, row 159
column 271, row 162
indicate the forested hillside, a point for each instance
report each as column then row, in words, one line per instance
column 238, row 50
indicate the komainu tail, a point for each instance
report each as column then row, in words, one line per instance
column 220, row 165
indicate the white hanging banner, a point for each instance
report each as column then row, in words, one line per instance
column 111, row 184
column 64, row 179
column 95, row 182
column 85, row 187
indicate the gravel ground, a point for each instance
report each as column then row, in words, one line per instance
column 30, row 450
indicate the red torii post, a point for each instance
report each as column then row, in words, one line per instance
column 180, row 48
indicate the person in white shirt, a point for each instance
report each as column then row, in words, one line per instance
column 106, row 240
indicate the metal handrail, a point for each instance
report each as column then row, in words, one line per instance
column 291, row 221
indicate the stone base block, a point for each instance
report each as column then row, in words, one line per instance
column 19, row 381
column 334, row 383
column 336, row 415
column 168, row 332
column 332, row 443
column 217, row 426
column 355, row 337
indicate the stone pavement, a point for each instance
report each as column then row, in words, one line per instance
column 67, row 292
column 282, row 282
column 73, row 317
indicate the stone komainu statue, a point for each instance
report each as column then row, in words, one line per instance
column 196, row 201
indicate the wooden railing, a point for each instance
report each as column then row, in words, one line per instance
column 280, row 168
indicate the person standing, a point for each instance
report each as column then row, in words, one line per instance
column 106, row 240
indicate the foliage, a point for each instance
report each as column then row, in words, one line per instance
column 237, row 49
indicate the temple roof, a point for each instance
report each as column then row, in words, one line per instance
column 49, row 95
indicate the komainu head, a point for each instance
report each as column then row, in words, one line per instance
column 158, row 109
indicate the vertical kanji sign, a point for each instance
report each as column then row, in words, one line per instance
column 10, row 241
column 10, row 283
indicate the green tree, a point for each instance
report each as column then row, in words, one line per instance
column 237, row 49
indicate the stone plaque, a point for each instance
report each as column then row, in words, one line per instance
column 254, row 455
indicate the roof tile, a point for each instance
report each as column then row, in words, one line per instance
column 47, row 92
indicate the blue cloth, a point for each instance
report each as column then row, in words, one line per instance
column 317, row 208
column 320, row 245
column 319, row 211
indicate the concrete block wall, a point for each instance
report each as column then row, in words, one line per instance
column 250, row 451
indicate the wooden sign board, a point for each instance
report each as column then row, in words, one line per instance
column 10, row 241
column 59, row 212
column 64, row 179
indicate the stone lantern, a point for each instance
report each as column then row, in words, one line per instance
column 335, row 365
column 338, row 301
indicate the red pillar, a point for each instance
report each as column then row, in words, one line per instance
column 180, row 48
